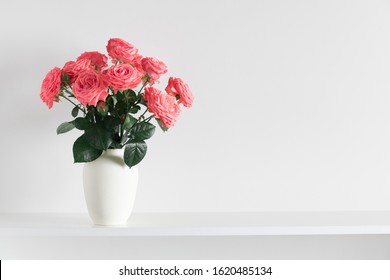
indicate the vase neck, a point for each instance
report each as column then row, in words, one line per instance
column 114, row 152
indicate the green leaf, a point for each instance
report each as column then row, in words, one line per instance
column 116, row 145
column 134, row 153
column 75, row 111
column 143, row 131
column 121, row 108
column 111, row 122
column 98, row 137
column 65, row 78
column 90, row 113
column 83, row 151
column 130, row 96
column 65, row 127
column 164, row 128
column 82, row 123
column 125, row 100
column 134, row 110
column 111, row 101
column 124, row 139
column 129, row 122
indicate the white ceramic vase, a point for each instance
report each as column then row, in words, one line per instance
column 110, row 187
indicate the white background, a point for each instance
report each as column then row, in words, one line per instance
column 108, row 269
column 291, row 108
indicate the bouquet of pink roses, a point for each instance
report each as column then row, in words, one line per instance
column 117, row 101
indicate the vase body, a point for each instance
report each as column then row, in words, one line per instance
column 110, row 188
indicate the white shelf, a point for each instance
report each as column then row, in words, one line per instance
column 199, row 224
column 287, row 235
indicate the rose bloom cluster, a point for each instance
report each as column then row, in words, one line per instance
column 92, row 79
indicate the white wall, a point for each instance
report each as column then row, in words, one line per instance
column 291, row 112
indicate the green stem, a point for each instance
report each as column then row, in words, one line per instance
column 69, row 100
column 69, row 92
column 143, row 85
column 149, row 118
column 78, row 105
column 140, row 117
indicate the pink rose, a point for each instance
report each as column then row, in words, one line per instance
column 163, row 106
column 96, row 59
column 73, row 68
column 51, row 87
column 122, row 76
column 176, row 87
column 122, row 51
column 154, row 68
column 89, row 88
column 137, row 64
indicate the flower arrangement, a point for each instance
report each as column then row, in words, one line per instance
column 117, row 101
